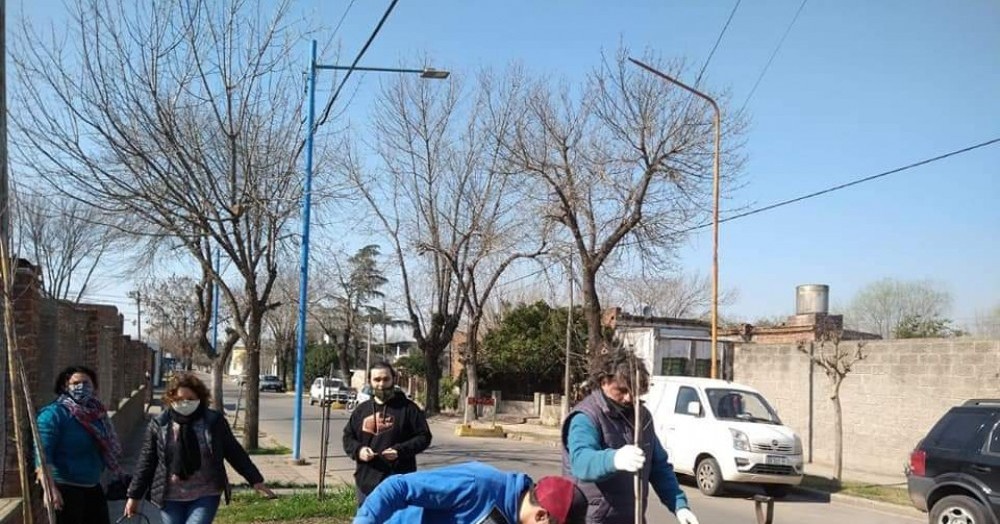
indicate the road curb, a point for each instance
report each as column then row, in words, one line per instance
column 511, row 434
column 863, row 503
column 466, row 430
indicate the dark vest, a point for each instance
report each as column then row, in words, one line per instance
column 612, row 500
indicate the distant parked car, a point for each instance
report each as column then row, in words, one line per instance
column 271, row 383
column 328, row 389
column 954, row 472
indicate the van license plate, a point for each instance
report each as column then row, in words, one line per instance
column 776, row 460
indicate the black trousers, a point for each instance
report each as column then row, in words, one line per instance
column 83, row 505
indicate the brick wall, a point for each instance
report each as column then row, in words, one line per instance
column 27, row 317
column 889, row 401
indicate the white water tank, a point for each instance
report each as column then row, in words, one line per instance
column 811, row 299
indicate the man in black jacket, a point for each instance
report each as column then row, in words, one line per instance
column 385, row 433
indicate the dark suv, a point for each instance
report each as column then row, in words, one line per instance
column 954, row 473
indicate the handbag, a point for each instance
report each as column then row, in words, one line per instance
column 118, row 488
column 139, row 517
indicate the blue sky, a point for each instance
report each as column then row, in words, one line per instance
column 858, row 87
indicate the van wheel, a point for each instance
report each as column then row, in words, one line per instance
column 708, row 476
column 778, row 491
column 958, row 509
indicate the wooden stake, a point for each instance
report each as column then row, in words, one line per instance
column 637, row 430
column 13, row 375
column 45, row 474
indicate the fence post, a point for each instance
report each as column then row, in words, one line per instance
column 496, row 406
column 465, row 418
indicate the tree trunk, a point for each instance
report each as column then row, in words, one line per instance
column 431, row 356
column 591, row 309
column 471, row 369
column 283, row 352
column 218, row 374
column 344, row 366
column 251, row 423
column 838, row 429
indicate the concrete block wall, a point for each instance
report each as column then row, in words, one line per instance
column 518, row 407
column 889, row 401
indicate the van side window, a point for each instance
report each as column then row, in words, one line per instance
column 684, row 396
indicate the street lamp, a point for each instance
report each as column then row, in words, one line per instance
column 300, row 350
column 715, row 208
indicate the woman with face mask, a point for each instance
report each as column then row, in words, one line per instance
column 79, row 443
column 385, row 433
column 181, row 462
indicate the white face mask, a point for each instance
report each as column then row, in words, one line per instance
column 186, row 407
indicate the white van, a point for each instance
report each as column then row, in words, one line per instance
column 722, row 432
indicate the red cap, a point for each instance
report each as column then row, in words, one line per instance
column 562, row 499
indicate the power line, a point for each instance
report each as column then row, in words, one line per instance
column 342, row 17
column 361, row 53
column 795, row 200
column 773, row 54
column 717, row 42
column 848, row 184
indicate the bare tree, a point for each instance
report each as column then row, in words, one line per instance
column 681, row 296
column 987, row 325
column 882, row 306
column 497, row 233
column 439, row 192
column 64, row 237
column 184, row 115
column 837, row 362
column 281, row 322
column 626, row 165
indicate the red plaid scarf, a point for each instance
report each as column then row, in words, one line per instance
column 94, row 418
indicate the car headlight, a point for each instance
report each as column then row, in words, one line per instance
column 740, row 440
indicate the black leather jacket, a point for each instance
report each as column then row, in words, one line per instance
column 151, row 469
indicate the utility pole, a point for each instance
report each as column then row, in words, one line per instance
column 4, row 181
column 385, row 319
column 215, row 302
column 569, row 340
column 137, row 295
column 368, row 351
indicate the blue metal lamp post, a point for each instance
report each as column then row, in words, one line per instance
column 300, row 338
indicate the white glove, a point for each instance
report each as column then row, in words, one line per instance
column 629, row 458
column 686, row 516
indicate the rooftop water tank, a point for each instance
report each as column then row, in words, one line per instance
column 811, row 299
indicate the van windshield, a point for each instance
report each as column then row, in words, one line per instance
column 735, row 404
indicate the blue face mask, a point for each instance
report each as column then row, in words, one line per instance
column 81, row 391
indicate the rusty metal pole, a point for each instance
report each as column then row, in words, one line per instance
column 715, row 211
column 715, row 240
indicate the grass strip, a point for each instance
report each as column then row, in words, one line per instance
column 891, row 493
column 249, row 507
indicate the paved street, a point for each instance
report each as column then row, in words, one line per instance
column 538, row 459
